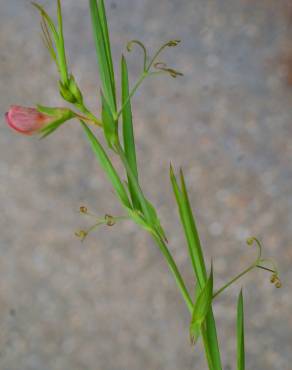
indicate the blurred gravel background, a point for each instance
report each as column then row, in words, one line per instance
column 110, row 303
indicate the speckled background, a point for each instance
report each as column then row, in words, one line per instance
column 110, row 303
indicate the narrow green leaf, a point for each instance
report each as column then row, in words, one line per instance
column 148, row 210
column 49, row 21
column 191, row 234
column 240, row 334
column 128, row 132
column 201, row 308
column 209, row 331
column 61, row 45
column 104, row 25
column 195, row 244
column 103, row 52
column 107, row 166
column 109, row 124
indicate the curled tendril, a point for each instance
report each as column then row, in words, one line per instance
column 251, row 241
column 142, row 46
column 163, row 67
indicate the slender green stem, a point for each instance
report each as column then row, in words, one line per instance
column 89, row 116
column 235, row 279
column 265, row 268
column 134, row 89
column 156, row 236
column 156, row 55
column 175, row 271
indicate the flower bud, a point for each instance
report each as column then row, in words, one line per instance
column 278, row 284
column 250, row 241
column 66, row 93
column 29, row 121
column 173, row 43
column 25, row 120
column 110, row 221
column 274, row 278
column 74, row 90
column 81, row 234
column 83, row 209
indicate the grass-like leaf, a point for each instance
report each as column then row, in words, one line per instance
column 107, row 166
column 209, row 331
column 104, row 25
column 109, row 124
column 61, row 45
column 240, row 334
column 128, row 131
column 189, row 226
column 202, row 306
column 102, row 45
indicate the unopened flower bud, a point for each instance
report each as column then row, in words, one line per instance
column 250, row 241
column 173, row 43
column 74, row 90
column 83, row 209
column 29, row 121
column 278, row 284
column 81, row 234
column 66, row 93
column 110, row 221
column 274, row 278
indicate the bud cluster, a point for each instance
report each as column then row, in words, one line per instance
column 70, row 91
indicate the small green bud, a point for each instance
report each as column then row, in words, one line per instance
column 250, row 241
column 81, row 234
column 278, row 284
column 173, row 43
column 274, row 278
column 74, row 90
column 110, row 221
column 66, row 93
column 83, row 209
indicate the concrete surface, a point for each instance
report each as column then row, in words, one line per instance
column 109, row 303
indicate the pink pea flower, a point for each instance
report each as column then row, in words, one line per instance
column 27, row 121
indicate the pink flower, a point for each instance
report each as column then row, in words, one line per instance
column 27, row 121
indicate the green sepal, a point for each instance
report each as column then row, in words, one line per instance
column 61, row 116
column 202, row 306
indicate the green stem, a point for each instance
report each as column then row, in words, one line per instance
column 89, row 116
column 235, row 279
column 175, row 271
column 156, row 55
column 134, row 89
column 156, row 236
column 265, row 268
